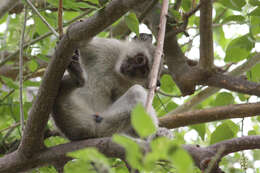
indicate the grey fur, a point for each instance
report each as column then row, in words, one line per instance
column 106, row 91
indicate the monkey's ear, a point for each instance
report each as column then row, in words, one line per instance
column 144, row 37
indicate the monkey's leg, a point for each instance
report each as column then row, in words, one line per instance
column 117, row 118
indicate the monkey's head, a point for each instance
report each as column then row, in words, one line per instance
column 136, row 61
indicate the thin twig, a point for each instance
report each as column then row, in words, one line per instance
column 163, row 105
column 157, row 55
column 217, row 18
column 167, row 95
column 10, row 57
column 7, row 95
column 60, row 20
column 214, row 161
column 21, row 70
column 186, row 17
column 42, row 18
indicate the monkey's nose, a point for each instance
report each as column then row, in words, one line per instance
column 140, row 61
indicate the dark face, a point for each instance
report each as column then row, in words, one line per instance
column 136, row 67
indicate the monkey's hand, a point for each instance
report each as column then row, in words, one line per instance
column 161, row 131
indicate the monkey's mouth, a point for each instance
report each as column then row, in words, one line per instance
column 135, row 67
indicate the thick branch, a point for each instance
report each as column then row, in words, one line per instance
column 201, row 154
column 206, row 37
column 233, row 83
column 211, row 114
column 198, row 98
column 237, row 144
column 15, row 162
column 7, row 5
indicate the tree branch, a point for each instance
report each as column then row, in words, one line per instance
column 157, row 55
column 237, row 84
column 206, row 38
column 15, row 162
column 202, row 154
column 211, row 114
column 198, row 98
column 21, row 71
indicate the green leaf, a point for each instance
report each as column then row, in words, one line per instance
column 93, row 1
column 255, row 26
column 133, row 152
column 43, row 57
column 45, row 169
column 161, row 149
column 253, row 74
column 91, row 155
column 258, row 118
column 10, row 83
column 219, row 36
column 142, row 122
column 233, row 126
column 222, row 132
column 41, row 27
column 186, row 5
column 236, row 18
column 70, row 4
column 167, row 84
column 201, row 129
column 3, row 18
column 32, row 65
column 31, row 83
column 255, row 12
column 252, row 132
column 168, row 108
column 69, row 15
column 256, row 154
column 54, row 140
column 182, row 161
column 233, row 4
column 223, row 98
column 176, row 14
column 243, row 97
column 254, row 2
column 85, row 5
column 77, row 166
column 239, row 48
column 132, row 23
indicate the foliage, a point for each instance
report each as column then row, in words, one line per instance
column 165, row 155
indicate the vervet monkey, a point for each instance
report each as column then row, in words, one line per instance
column 99, row 102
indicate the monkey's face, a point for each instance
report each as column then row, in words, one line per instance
column 136, row 67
